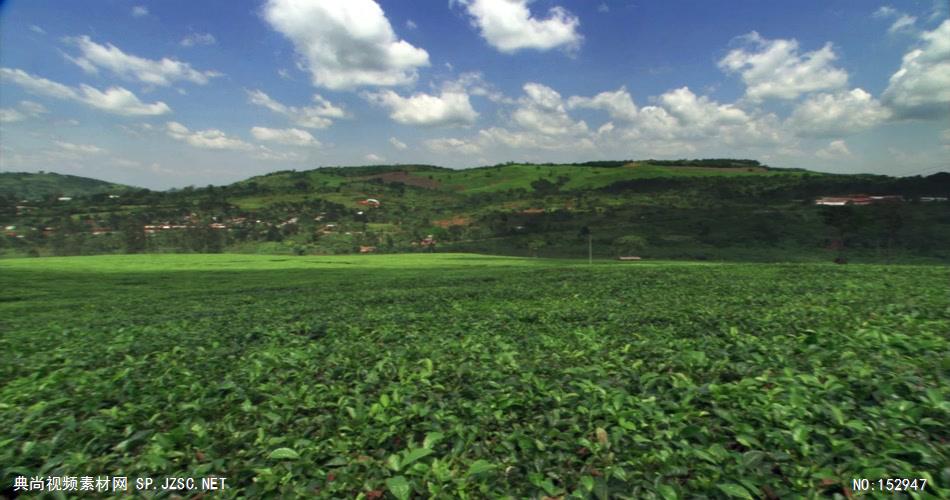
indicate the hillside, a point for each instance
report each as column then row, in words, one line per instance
column 687, row 209
column 31, row 186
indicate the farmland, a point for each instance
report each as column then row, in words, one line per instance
column 470, row 376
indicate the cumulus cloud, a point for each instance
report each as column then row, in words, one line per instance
column 618, row 104
column 346, row 44
column 164, row 72
column 921, row 87
column 508, row 26
column 539, row 121
column 120, row 101
column 835, row 150
column 115, row 100
column 679, row 123
column 681, row 117
column 776, row 69
column 139, row 11
column 375, row 158
column 288, row 136
column 198, row 39
column 837, row 114
column 396, row 143
column 473, row 82
column 451, row 145
column 700, row 112
column 451, row 107
column 318, row 116
column 206, row 139
column 542, row 110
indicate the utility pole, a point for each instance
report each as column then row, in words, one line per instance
column 585, row 231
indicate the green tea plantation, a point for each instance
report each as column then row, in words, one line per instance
column 468, row 376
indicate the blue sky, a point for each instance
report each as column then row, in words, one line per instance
column 175, row 93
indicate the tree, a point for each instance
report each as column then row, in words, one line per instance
column 630, row 245
column 844, row 221
column 534, row 244
column 544, row 187
column 133, row 234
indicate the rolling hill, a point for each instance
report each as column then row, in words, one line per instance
column 687, row 209
column 23, row 185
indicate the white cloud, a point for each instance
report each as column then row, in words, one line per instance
column 120, row 101
column 206, row 139
column 164, row 72
column 921, row 87
column 902, row 23
column 681, row 123
column 836, row 149
column 885, row 11
column 198, row 39
column 838, row 114
column 139, row 11
column 700, row 112
column 775, row 69
column 603, row 8
column 38, row 85
column 36, row 29
column 317, row 116
column 508, row 26
column 542, row 110
column 410, row 24
column 10, row 115
column 618, row 104
column 450, row 108
column 451, row 145
column 401, row 146
column 346, row 44
column 28, row 109
column 374, row 158
column 266, row 153
column 115, row 100
column 84, row 149
column 33, row 108
column 474, row 83
column 289, row 136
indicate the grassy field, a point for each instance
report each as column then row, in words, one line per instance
column 469, row 376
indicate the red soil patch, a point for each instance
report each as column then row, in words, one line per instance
column 458, row 220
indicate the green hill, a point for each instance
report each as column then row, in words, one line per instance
column 32, row 186
column 685, row 209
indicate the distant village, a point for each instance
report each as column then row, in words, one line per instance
column 193, row 220
column 865, row 199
